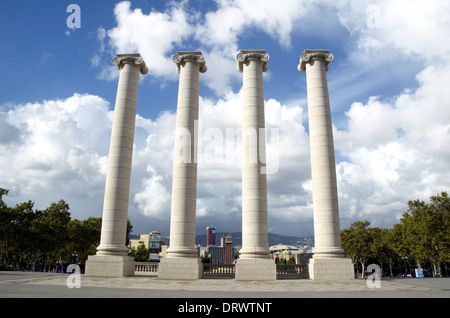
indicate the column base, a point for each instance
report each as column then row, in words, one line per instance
column 331, row 269
column 184, row 268
column 255, row 269
column 109, row 266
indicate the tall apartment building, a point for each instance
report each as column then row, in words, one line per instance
column 210, row 236
column 229, row 252
column 222, row 254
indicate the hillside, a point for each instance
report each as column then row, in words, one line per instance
column 274, row 239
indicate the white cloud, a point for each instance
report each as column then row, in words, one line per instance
column 234, row 19
column 63, row 147
column 389, row 29
column 415, row 27
column 62, row 153
column 222, row 27
column 222, row 30
column 61, row 150
column 158, row 35
column 97, row 57
column 154, row 35
column 152, row 166
column 396, row 150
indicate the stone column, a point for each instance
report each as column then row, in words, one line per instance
column 111, row 258
column 182, row 261
column 328, row 261
column 254, row 262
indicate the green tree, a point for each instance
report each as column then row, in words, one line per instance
column 356, row 243
column 205, row 260
column 426, row 231
column 17, row 233
column 7, row 217
column 52, row 228
column 129, row 230
column 26, row 235
column 381, row 247
column 84, row 237
column 441, row 204
column 421, row 238
column 2, row 193
column 390, row 254
column 29, row 237
column 140, row 254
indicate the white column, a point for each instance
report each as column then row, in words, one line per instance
column 254, row 262
column 323, row 170
column 117, row 189
column 182, row 261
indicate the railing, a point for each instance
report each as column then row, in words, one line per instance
column 292, row 271
column 218, row 270
column 145, row 269
column 222, row 271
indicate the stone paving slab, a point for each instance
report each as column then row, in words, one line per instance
column 141, row 286
column 224, row 284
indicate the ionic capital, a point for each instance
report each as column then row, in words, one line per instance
column 311, row 55
column 253, row 54
column 130, row 58
column 195, row 56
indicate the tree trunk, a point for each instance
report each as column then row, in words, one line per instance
column 390, row 269
column 363, row 269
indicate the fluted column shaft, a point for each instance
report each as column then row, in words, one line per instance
column 323, row 169
column 254, row 184
column 117, row 188
column 184, row 185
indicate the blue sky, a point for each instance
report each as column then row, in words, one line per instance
column 387, row 88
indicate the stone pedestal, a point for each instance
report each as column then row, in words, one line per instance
column 328, row 254
column 331, row 269
column 112, row 252
column 182, row 268
column 254, row 262
column 256, row 269
column 109, row 266
column 182, row 259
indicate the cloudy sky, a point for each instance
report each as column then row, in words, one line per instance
column 388, row 85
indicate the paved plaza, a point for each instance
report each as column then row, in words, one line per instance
column 53, row 285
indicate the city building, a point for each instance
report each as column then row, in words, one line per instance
column 229, row 255
column 153, row 241
column 287, row 252
column 222, row 254
column 210, row 235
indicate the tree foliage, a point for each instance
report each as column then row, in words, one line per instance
column 421, row 239
column 34, row 239
column 356, row 242
column 140, row 254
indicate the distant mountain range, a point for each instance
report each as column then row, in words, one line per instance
column 274, row 239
